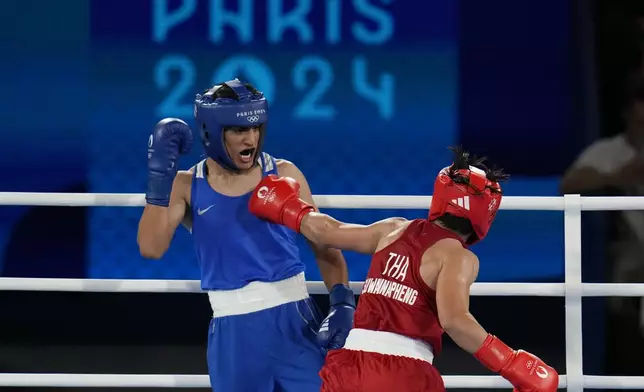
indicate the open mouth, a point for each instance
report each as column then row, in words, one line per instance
column 247, row 155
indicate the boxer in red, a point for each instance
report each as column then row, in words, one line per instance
column 418, row 285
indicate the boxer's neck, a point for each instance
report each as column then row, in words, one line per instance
column 442, row 225
column 232, row 183
column 216, row 169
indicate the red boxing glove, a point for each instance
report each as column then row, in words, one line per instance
column 525, row 371
column 276, row 199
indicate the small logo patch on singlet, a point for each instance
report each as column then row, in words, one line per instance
column 201, row 212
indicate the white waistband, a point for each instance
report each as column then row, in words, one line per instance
column 257, row 296
column 388, row 343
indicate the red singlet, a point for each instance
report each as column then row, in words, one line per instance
column 396, row 329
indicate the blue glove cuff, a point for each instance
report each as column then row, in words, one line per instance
column 158, row 191
column 341, row 294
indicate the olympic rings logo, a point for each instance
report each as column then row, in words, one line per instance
column 252, row 118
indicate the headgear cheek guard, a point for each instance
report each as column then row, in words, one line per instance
column 472, row 196
column 213, row 115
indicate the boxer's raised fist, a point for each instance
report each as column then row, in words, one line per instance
column 170, row 138
column 276, row 199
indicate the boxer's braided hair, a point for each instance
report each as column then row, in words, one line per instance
column 463, row 160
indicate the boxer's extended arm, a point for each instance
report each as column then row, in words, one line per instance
column 459, row 270
column 333, row 267
column 158, row 224
column 327, row 231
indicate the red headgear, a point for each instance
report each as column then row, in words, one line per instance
column 472, row 196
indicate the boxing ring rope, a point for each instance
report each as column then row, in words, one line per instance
column 572, row 289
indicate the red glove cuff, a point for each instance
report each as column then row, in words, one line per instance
column 294, row 211
column 494, row 354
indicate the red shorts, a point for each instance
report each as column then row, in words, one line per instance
column 360, row 371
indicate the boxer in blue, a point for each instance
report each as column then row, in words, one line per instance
column 265, row 334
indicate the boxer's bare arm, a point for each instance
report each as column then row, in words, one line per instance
column 326, row 230
column 458, row 270
column 158, row 224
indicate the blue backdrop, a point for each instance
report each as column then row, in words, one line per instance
column 365, row 97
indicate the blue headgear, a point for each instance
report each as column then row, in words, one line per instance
column 213, row 114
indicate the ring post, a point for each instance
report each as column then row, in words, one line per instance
column 573, row 298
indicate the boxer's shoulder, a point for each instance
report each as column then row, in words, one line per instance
column 392, row 229
column 183, row 183
column 184, row 177
column 452, row 251
column 286, row 168
column 398, row 226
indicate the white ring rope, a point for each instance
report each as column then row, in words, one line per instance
column 530, row 203
column 193, row 286
column 201, row 381
column 193, row 381
column 572, row 289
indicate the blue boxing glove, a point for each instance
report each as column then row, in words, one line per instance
column 171, row 137
column 336, row 326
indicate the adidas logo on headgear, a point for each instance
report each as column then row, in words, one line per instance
column 462, row 202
